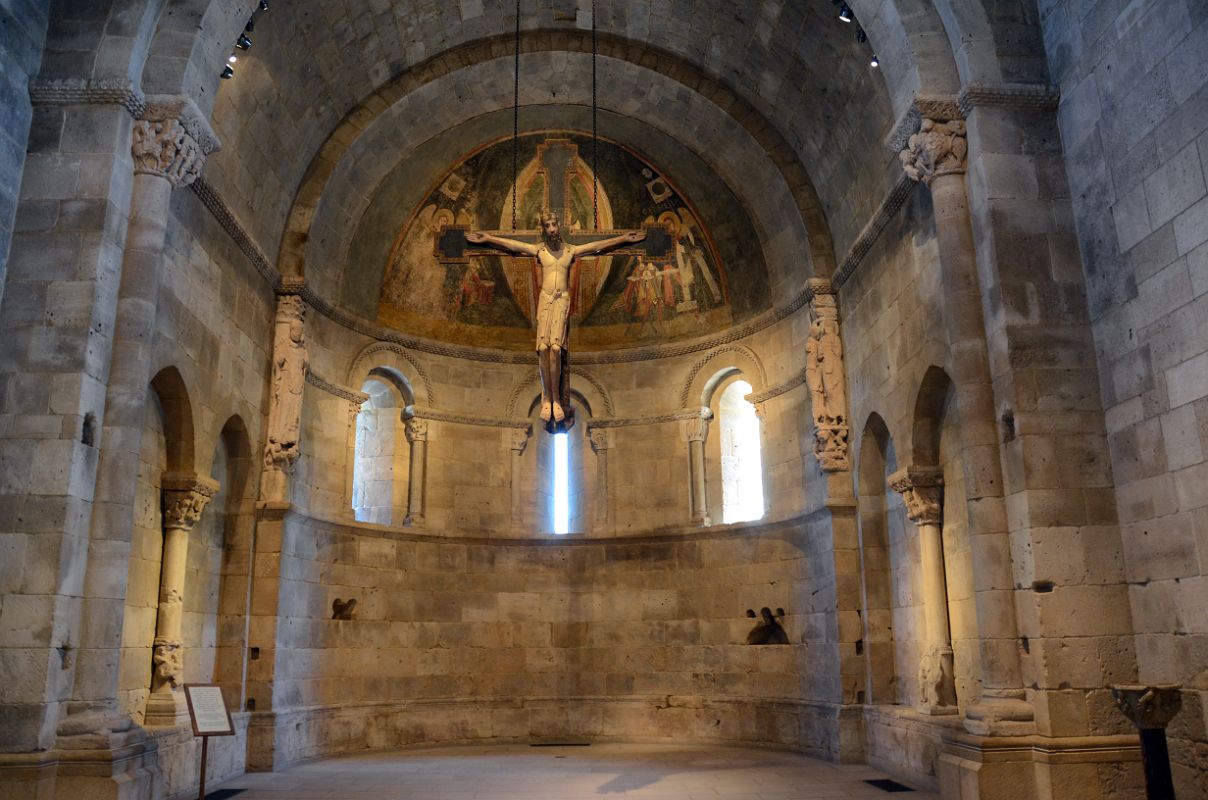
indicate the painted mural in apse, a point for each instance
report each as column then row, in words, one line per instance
column 617, row 301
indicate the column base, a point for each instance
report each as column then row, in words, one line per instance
column 166, row 709
column 1000, row 716
column 937, row 710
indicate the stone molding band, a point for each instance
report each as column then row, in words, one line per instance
column 226, row 220
column 78, row 91
column 341, row 392
column 625, row 422
column 758, row 398
column 420, row 412
column 888, row 209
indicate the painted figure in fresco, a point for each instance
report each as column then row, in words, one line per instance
column 553, row 305
column 648, row 292
column 474, row 290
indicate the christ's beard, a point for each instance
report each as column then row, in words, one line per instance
column 554, row 241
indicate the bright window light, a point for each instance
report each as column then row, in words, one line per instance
column 741, row 465
column 561, row 484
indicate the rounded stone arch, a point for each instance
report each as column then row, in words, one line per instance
column 876, row 443
column 396, row 363
column 292, row 253
column 928, row 417
column 875, row 460
column 179, row 429
column 708, row 374
column 589, row 392
column 912, row 43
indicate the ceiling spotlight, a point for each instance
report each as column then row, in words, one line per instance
column 232, row 58
column 861, row 37
column 264, row 5
column 875, row 62
column 844, row 13
column 227, row 72
column 243, row 42
column 251, row 24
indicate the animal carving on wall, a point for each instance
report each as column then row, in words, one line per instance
column 768, row 630
column 342, row 609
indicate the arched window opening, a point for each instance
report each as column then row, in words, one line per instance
column 561, row 487
column 379, row 465
column 741, row 465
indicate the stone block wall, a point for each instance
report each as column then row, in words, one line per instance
column 1134, row 122
column 547, row 639
column 22, row 32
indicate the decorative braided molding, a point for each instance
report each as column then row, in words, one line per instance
column 364, row 362
column 419, row 412
column 622, row 356
column 341, row 392
column 226, row 220
column 595, row 384
column 625, row 422
column 79, row 91
column 1016, row 97
column 872, row 231
column 746, row 352
column 756, row 398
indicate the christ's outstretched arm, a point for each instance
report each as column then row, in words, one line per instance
column 510, row 245
column 604, row 245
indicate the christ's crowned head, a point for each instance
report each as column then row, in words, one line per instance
column 551, row 232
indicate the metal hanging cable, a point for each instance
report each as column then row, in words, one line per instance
column 595, row 160
column 516, row 119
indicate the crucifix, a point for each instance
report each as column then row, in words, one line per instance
column 555, row 252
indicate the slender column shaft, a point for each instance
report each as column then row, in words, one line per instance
column 417, row 435
column 603, row 510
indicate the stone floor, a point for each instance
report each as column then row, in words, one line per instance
column 660, row 772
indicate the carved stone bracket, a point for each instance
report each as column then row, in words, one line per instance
column 184, row 498
column 922, row 491
column 599, row 440
column 416, row 430
column 825, row 376
column 167, row 661
column 939, row 148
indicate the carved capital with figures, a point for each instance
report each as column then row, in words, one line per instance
column 599, row 440
column 939, row 148
column 184, row 498
column 922, row 491
column 520, row 439
column 416, row 430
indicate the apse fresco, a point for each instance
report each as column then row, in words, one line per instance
column 683, row 289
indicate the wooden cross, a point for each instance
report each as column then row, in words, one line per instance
column 557, row 158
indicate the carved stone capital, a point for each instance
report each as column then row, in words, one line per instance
column 697, row 428
column 922, row 491
column 830, row 445
column 520, row 439
column 166, row 149
column 1148, row 707
column 599, row 440
column 939, row 148
column 184, row 498
column 416, row 430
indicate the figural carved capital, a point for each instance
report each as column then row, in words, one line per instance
column 416, row 430
column 184, row 498
column 599, row 440
column 171, row 139
column 166, row 660
column 922, row 492
column 520, row 439
column 939, row 148
column 1148, row 707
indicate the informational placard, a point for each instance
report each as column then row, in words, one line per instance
column 208, row 710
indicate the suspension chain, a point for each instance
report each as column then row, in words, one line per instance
column 595, row 145
column 516, row 119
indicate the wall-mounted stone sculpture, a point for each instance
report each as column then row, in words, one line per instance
column 343, row 609
column 768, row 630
column 290, row 363
column 825, row 377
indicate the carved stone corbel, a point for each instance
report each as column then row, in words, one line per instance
column 922, row 492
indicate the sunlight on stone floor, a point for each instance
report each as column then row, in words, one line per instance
column 519, row 772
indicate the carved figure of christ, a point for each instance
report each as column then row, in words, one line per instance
column 555, row 257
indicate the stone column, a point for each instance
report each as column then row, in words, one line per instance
column 184, row 498
column 1151, row 708
column 290, row 362
column 417, row 436
column 350, row 451
column 697, row 433
column 921, row 491
column 937, row 157
column 519, row 441
column 599, row 446
column 826, row 379
column 168, row 148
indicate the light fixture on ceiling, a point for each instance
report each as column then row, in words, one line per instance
column 861, row 36
column 264, row 5
column 845, row 14
column 876, row 62
column 227, row 72
column 243, row 42
column 251, row 24
column 232, row 58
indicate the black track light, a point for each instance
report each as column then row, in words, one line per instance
column 264, row 5
column 844, row 13
column 243, row 42
column 861, row 36
column 228, row 72
column 876, row 62
column 251, row 24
